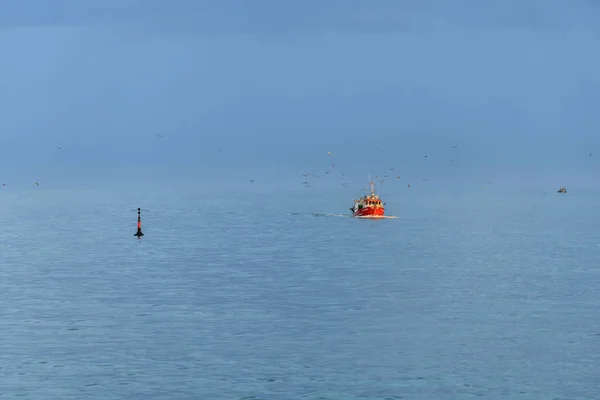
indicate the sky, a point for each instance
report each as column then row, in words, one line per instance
column 264, row 89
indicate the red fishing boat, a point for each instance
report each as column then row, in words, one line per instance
column 370, row 206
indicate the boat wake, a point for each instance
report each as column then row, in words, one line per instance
column 331, row 215
column 376, row 217
column 339, row 215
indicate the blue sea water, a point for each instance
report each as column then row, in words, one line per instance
column 241, row 296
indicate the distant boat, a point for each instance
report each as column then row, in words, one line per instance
column 562, row 190
column 370, row 206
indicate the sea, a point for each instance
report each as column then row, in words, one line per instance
column 239, row 294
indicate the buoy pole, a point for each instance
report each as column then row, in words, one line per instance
column 139, row 226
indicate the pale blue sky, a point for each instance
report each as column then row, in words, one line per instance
column 276, row 84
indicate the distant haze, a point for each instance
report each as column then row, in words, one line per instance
column 276, row 85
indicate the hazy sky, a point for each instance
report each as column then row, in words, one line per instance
column 276, row 84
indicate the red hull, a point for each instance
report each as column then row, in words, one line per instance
column 370, row 212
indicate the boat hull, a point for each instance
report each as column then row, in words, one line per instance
column 370, row 212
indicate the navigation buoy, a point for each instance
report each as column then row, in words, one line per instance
column 139, row 228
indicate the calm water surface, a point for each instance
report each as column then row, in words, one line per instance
column 481, row 296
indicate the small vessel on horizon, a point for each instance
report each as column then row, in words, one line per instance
column 369, row 206
column 562, row 189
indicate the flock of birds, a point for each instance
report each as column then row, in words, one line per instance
column 389, row 174
column 309, row 175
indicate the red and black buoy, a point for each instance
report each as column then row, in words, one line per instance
column 139, row 228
